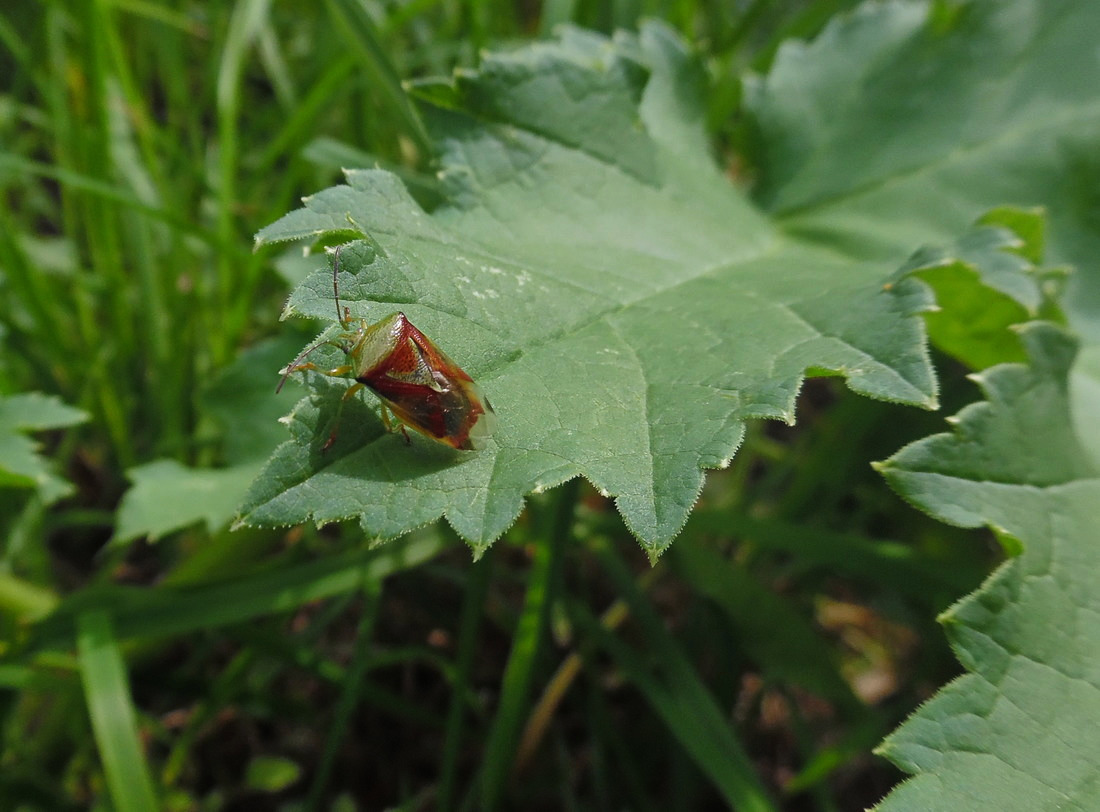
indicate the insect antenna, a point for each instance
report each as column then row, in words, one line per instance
column 294, row 366
column 343, row 318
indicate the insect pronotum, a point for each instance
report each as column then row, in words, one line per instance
column 414, row 379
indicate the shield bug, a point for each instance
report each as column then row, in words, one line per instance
column 414, row 379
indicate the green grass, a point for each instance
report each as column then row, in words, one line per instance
column 141, row 146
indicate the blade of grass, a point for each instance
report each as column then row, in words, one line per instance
column 473, row 604
column 110, row 193
column 79, row 128
column 26, row 284
column 876, row 561
column 611, row 747
column 23, row 599
column 138, row 163
column 139, row 612
column 774, row 633
column 219, row 692
column 543, row 712
column 679, row 695
column 114, row 721
column 361, row 34
column 480, row 18
column 555, row 13
column 276, row 65
column 301, row 122
column 716, row 751
column 244, row 26
column 426, row 188
column 554, row 524
column 157, row 12
column 349, row 695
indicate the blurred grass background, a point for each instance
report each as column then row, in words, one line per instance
column 141, row 146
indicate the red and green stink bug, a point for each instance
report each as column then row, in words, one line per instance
column 414, row 379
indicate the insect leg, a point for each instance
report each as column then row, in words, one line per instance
column 339, row 411
column 388, row 423
column 298, row 365
column 336, row 372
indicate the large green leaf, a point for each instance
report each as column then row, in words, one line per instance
column 988, row 280
column 167, row 496
column 897, row 126
column 623, row 305
column 905, row 121
column 627, row 309
column 21, row 466
column 1019, row 731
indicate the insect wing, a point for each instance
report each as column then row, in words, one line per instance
column 429, row 392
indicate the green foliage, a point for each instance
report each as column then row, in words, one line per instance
column 624, row 308
column 167, row 495
column 632, row 307
column 111, row 709
column 1015, row 125
column 1018, row 732
column 21, row 466
column 988, row 282
column 271, row 774
column 905, row 122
